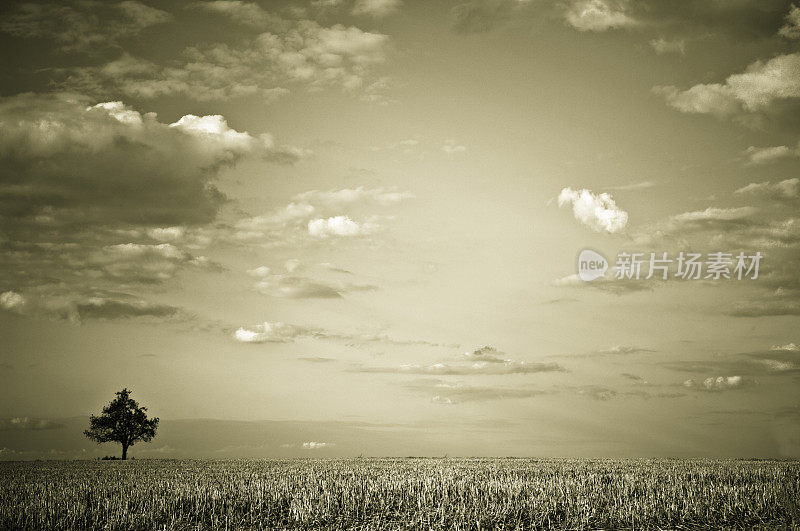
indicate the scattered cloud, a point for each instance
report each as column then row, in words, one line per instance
column 642, row 185
column 293, row 53
column 624, row 349
column 82, row 26
column 791, row 29
column 482, row 361
column 599, row 212
column 315, row 445
column 664, row 46
column 339, row 226
column 598, row 15
column 447, row 393
column 349, row 196
column 788, row 189
column 376, row 8
column 756, row 89
column 453, row 148
column 764, row 155
column 719, row 383
column 240, row 12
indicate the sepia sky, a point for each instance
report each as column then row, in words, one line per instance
column 343, row 227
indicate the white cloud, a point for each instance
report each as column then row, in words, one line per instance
column 376, row 8
column 452, row 149
column 166, row 234
column 345, row 196
column 11, row 300
column 259, row 272
column 597, row 15
column 786, row 189
column 716, row 214
column 315, row 445
column 791, row 347
column 292, row 265
column 599, row 212
column 755, row 89
column 338, row 226
column 269, row 333
column 719, row 383
column 763, row 155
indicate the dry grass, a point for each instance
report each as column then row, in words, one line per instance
column 400, row 493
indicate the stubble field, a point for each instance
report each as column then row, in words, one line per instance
column 400, row 493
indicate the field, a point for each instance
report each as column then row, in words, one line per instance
column 400, row 493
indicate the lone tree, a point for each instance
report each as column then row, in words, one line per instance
column 122, row 421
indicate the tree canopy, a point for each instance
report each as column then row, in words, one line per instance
column 122, row 421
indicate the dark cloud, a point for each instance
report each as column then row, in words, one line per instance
column 82, row 25
column 86, row 191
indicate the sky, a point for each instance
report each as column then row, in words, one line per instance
column 335, row 228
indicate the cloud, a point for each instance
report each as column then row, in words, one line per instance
column 376, row 8
column 349, row 196
column 789, row 347
column 598, row 15
column 27, row 424
column 452, row 149
column 70, row 303
column 642, row 185
column 11, row 300
column 277, row 332
column 597, row 392
column 96, row 198
column 599, row 212
column 483, row 361
column 755, row 89
column 788, row 189
column 446, row 393
column 109, row 163
column 271, row 333
column 765, row 308
column 314, row 445
column 295, row 53
column 608, row 285
column 339, row 226
column 294, row 286
column 624, row 349
column 791, row 30
column 764, row 155
column 663, row 46
column 719, row 383
column 244, row 13
column 82, row 26
column 715, row 217
column 486, row 354
column 478, row 16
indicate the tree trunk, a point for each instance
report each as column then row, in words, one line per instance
column 124, row 452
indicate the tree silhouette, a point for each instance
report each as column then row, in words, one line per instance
column 122, row 421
